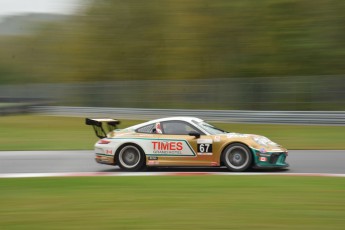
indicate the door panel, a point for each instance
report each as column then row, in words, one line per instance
column 182, row 150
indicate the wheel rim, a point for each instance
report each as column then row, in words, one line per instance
column 237, row 157
column 129, row 156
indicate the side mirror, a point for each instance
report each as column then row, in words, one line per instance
column 195, row 134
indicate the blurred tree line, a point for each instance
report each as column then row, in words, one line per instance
column 181, row 39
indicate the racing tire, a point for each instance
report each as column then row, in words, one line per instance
column 237, row 157
column 130, row 158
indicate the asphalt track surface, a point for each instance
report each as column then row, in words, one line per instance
column 301, row 161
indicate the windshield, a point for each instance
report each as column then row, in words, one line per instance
column 210, row 128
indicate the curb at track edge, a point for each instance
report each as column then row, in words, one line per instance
column 118, row 174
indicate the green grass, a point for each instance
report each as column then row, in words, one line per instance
column 61, row 133
column 190, row 202
column 9, row 104
column 296, row 136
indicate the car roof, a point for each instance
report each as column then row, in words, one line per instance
column 188, row 119
column 181, row 118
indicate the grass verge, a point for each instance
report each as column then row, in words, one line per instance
column 190, row 202
column 70, row 133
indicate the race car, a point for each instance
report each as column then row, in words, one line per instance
column 182, row 141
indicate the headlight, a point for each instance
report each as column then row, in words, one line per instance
column 264, row 141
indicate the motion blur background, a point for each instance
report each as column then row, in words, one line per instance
column 192, row 54
column 171, row 54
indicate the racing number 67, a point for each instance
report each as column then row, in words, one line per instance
column 205, row 148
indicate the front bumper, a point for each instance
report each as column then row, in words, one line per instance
column 270, row 159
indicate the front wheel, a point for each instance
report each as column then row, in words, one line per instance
column 237, row 157
column 130, row 158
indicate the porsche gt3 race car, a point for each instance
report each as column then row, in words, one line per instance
column 183, row 141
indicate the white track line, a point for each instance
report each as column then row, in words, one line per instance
column 94, row 174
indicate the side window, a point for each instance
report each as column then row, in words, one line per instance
column 145, row 129
column 177, row 128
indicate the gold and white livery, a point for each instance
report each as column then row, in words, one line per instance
column 183, row 141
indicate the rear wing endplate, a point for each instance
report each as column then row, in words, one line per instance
column 97, row 125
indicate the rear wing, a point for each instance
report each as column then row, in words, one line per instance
column 97, row 125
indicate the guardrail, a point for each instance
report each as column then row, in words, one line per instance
column 227, row 116
column 311, row 93
column 9, row 106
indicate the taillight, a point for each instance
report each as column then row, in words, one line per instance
column 103, row 142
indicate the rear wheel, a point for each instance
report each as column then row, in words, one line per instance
column 237, row 157
column 130, row 158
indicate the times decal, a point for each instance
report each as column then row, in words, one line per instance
column 171, row 148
